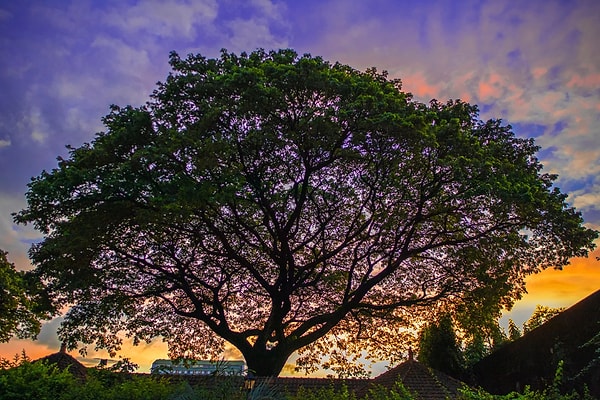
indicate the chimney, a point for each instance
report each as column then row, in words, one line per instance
column 410, row 354
column 63, row 347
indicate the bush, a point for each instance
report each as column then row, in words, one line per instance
column 323, row 393
column 398, row 392
column 24, row 379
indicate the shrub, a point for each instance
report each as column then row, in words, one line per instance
column 324, row 393
column 22, row 379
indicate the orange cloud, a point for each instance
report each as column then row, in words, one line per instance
column 143, row 355
column 539, row 72
column 585, row 82
column 34, row 350
column 557, row 288
column 563, row 288
column 418, row 85
column 491, row 88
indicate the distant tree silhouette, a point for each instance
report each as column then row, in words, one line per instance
column 513, row 330
column 439, row 347
column 540, row 315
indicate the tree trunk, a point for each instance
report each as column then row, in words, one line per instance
column 264, row 362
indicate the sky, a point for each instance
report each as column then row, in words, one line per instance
column 535, row 64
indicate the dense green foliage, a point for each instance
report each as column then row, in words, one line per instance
column 398, row 392
column 21, row 302
column 593, row 346
column 439, row 347
column 448, row 346
column 22, row 379
column 282, row 203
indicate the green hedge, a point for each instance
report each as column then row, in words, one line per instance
column 22, row 379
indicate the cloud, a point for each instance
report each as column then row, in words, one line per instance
column 418, row 85
column 587, row 201
column 173, row 18
column 15, row 239
column 587, row 82
column 5, row 15
column 249, row 34
column 558, row 288
column 568, row 285
column 269, row 9
column 255, row 24
column 4, row 143
column 143, row 354
column 547, row 77
column 37, row 126
column 48, row 335
column 125, row 59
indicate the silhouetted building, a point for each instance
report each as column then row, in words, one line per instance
column 421, row 381
column 533, row 359
column 198, row 367
column 63, row 361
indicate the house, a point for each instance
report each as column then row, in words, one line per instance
column 63, row 361
column 421, row 381
column 573, row 336
column 198, row 367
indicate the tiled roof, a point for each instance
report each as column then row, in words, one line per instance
column 423, row 382
column 62, row 360
column 292, row 385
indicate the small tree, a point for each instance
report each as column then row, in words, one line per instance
column 513, row 330
column 439, row 347
column 475, row 349
column 124, row 365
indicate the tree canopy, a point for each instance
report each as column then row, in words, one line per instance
column 21, row 305
column 281, row 202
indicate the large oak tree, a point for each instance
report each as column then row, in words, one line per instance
column 274, row 201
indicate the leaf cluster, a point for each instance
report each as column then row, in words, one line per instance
column 23, row 303
column 540, row 315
